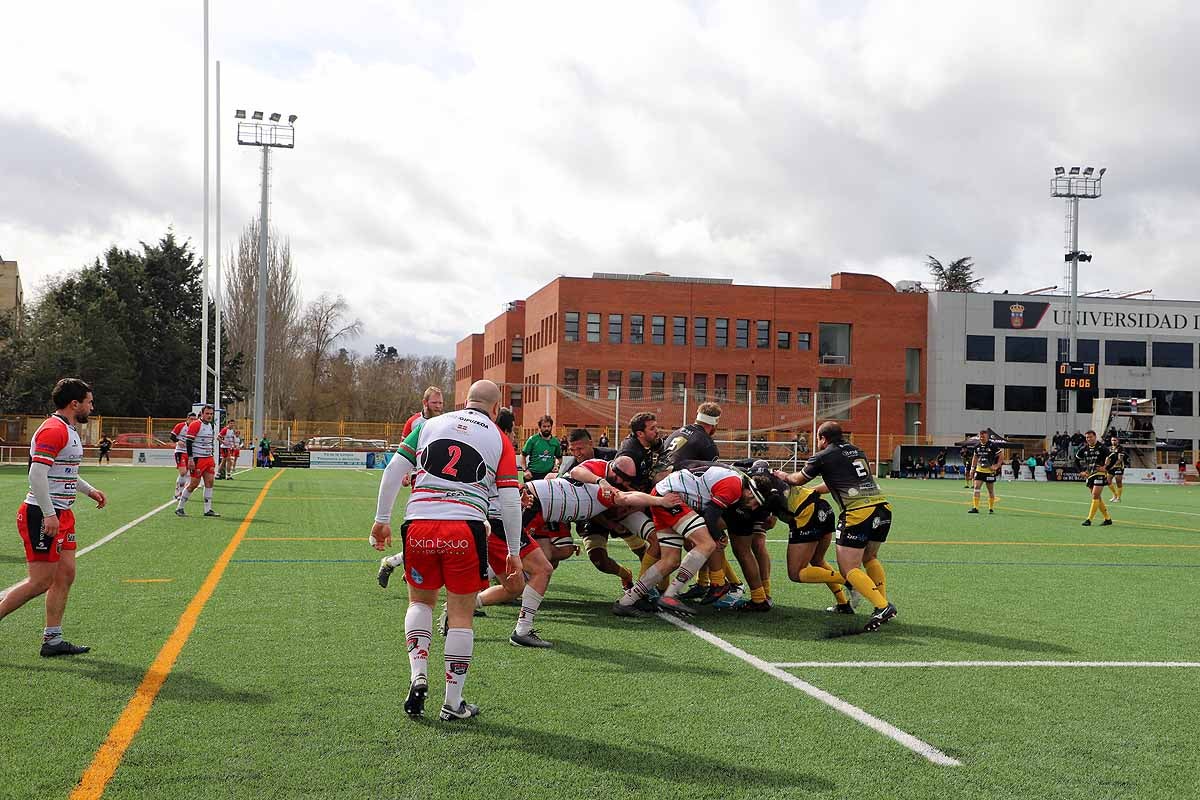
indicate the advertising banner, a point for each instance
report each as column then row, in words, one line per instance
column 338, row 459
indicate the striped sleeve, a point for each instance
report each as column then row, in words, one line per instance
column 506, row 470
column 727, row 491
column 47, row 442
column 408, row 448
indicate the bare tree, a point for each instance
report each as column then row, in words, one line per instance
column 323, row 325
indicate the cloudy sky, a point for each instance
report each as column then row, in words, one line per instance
column 453, row 156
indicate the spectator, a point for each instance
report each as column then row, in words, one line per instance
column 603, row 442
column 105, row 446
column 941, row 464
column 1182, row 466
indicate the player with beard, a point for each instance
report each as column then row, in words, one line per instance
column 985, row 464
column 45, row 520
column 1090, row 459
column 200, row 438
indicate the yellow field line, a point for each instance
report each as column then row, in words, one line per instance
column 108, row 757
column 1020, row 510
column 148, row 580
column 304, row 539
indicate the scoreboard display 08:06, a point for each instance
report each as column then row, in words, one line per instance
column 1079, row 376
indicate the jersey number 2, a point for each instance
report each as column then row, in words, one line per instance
column 455, row 454
column 860, row 467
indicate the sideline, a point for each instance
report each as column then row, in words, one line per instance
column 885, row 664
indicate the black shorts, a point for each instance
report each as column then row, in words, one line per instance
column 820, row 525
column 1117, row 473
column 985, row 477
column 1097, row 480
column 862, row 525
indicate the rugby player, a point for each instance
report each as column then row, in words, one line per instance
column 200, row 439
column 985, row 463
column 747, row 529
column 227, row 436
column 865, row 519
column 966, row 460
column 1115, row 466
column 45, row 520
column 460, row 457
column 1090, row 459
column 629, row 525
column 181, row 456
column 432, row 404
column 706, row 491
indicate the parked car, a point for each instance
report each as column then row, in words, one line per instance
column 346, row 443
column 139, row 441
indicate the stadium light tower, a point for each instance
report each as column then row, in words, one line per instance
column 1074, row 186
column 256, row 133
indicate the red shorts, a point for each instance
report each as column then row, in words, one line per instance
column 497, row 547
column 39, row 546
column 673, row 525
column 203, row 464
column 443, row 552
column 181, row 460
column 225, row 453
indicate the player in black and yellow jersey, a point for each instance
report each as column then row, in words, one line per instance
column 985, row 464
column 1115, row 465
column 865, row 520
column 1090, row 459
column 748, row 528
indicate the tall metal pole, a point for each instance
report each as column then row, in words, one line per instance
column 749, row 420
column 217, row 297
column 878, row 460
column 204, row 249
column 1072, row 402
column 260, row 340
column 617, row 419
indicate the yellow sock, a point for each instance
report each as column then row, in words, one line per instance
column 648, row 561
column 874, row 568
column 862, row 582
column 704, row 577
column 758, row 595
column 991, row 501
column 716, row 577
column 1119, row 490
column 839, row 593
column 811, row 574
column 730, row 575
column 625, row 575
column 975, row 500
column 767, row 586
column 1103, row 509
column 1095, row 507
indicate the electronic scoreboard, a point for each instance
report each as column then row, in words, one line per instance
column 1079, row 376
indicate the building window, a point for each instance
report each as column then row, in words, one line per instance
column 803, row 340
column 783, row 340
column 834, row 343
column 700, row 386
column 700, row 331
column 616, row 323
column 912, row 415
column 803, row 395
column 1118, row 353
column 1063, row 400
column 678, row 386
column 1025, row 398
column 720, row 387
column 636, row 385
column 658, row 330
column 1126, row 393
column 762, row 390
column 518, row 349
column 1173, row 403
column 593, row 328
column 614, row 384
column 571, row 380
column 1086, row 350
column 762, row 339
column 912, row 370
column 1083, row 402
column 679, row 330
column 571, row 320
column 516, row 395
column 833, row 397
column 656, row 385
column 593, row 384
column 1172, row 354
column 783, row 395
column 742, row 333
column 722, row 332
column 741, row 388
column 1025, row 349
column 981, row 397
column 981, row 348
column 637, row 329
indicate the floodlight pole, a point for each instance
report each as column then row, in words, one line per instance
column 217, row 295
column 204, row 249
column 260, row 336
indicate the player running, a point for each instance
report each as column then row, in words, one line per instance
column 985, row 463
column 45, row 520
column 1115, row 466
column 865, row 519
column 200, row 439
column 1090, row 459
column 181, row 456
column 459, row 459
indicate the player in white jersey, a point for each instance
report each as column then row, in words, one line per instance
column 181, row 456
column 459, row 457
column 45, row 520
column 228, row 438
column 200, row 439
column 707, row 491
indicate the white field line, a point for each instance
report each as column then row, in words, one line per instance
column 109, row 537
column 887, row 664
column 1121, row 504
column 927, row 751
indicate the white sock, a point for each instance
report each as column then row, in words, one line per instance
column 394, row 561
column 642, row 586
column 183, row 498
column 531, row 601
column 690, row 565
column 479, row 600
column 208, row 498
column 180, row 482
column 418, row 631
column 460, row 644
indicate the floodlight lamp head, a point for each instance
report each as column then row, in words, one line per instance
column 274, row 117
column 292, row 119
column 258, row 115
column 239, row 114
column 1087, row 172
column 1074, row 171
column 1059, row 170
column 1103, row 170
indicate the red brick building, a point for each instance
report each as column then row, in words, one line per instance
column 593, row 351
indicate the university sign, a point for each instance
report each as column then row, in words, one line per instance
column 1028, row 315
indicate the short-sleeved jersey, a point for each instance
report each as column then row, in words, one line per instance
column 703, row 485
column 801, row 503
column 462, row 458
column 178, row 431
column 1115, row 462
column 1091, row 460
column 229, row 439
column 988, row 456
column 203, row 436
column 644, row 458
column 565, row 500
column 56, row 444
column 494, row 510
column 411, row 423
column 847, row 473
column 689, row 443
column 541, row 452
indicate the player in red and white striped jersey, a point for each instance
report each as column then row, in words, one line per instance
column 228, row 439
column 200, row 439
column 45, row 520
column 181, row 456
